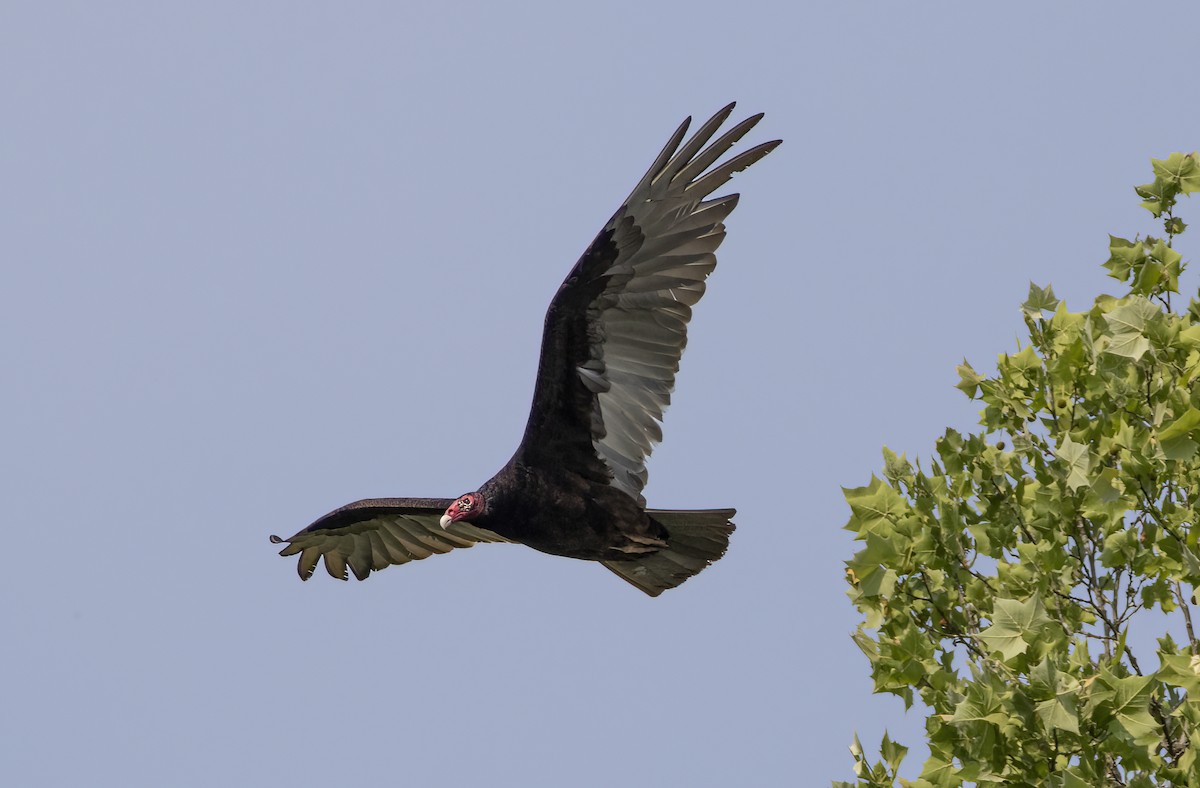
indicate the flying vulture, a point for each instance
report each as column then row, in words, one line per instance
column 611, row 345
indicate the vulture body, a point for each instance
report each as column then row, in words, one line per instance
column 611, row 345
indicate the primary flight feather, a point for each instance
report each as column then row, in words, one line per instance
column 611, row 345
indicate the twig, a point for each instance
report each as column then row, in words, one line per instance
column 1187, row 616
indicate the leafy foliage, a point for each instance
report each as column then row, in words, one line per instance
column 1000, row 581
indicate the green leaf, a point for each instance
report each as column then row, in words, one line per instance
column 968, row 379
column 1176, row 439
column 1120, row 548
column 880, row 550
column 1043, row 677
column 1039, row 300
column 1103, row 497
column 1159, row 195
column 1123, row 255
column 875, row 503
column 1182, row 170
column 1131, row 709
column 1148, row 278
column 1072, row 779
column 895, row 467
column 1161, row 272
column 1165, row 254
column 1015, row 625
column 1181, row 449
column 939, row 772
column 1060, row 713
column 879, row 583
column 1078, row 460
column 1184, row 425
column 892, row 752
column 981, row 705
column 1190, row 337
column 1181, row 670
column 1127, row 324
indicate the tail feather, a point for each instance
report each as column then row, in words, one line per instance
column 696, row 538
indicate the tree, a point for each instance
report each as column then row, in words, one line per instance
column 1009, row 582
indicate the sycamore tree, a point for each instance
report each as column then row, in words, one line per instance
column 1032, row 583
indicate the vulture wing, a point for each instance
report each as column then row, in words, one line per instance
column 373, row 534
column 617, row 327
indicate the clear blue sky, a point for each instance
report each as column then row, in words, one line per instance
column 250, row 249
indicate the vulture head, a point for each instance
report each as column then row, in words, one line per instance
column 464, row 508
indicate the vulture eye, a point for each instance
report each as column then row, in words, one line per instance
column 465, row 503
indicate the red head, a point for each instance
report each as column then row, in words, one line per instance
column 466, row 507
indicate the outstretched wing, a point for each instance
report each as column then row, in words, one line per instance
column 617, row 327
column 373, row 534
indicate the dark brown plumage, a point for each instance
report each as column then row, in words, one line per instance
column 613, row 337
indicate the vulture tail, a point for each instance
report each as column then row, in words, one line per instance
column 696, row 538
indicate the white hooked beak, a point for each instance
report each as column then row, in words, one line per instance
column 445, row 521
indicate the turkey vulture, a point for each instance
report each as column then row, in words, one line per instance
column 611, row 345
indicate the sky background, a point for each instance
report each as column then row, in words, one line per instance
column 262, row 259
